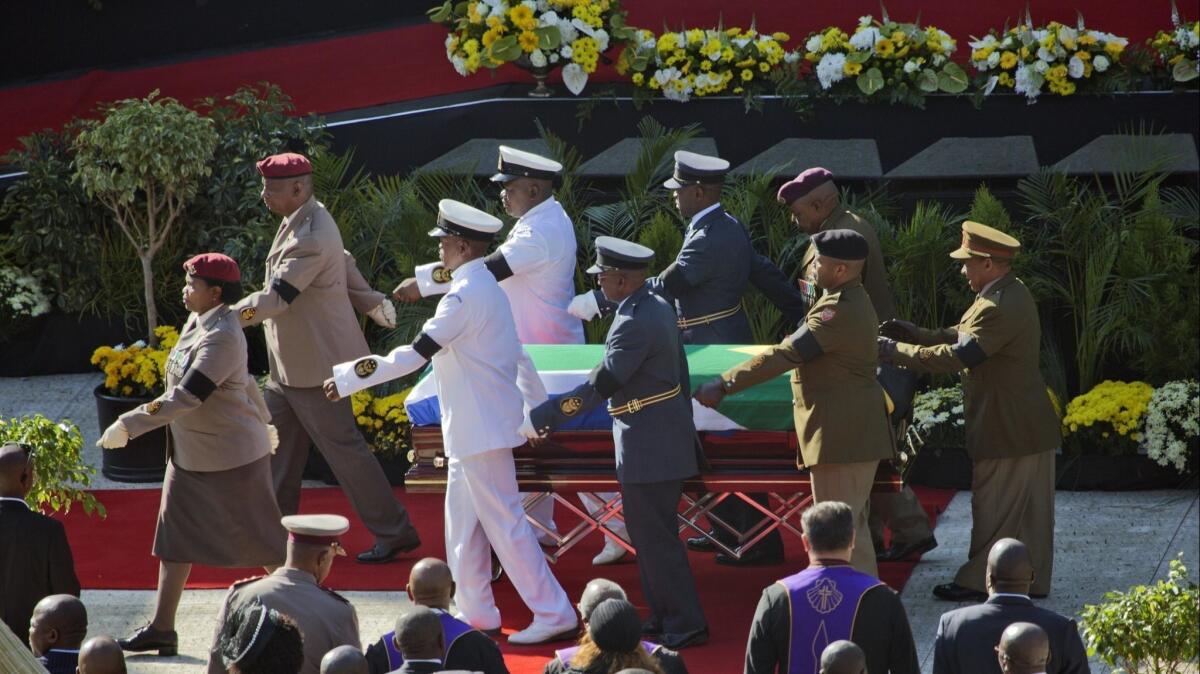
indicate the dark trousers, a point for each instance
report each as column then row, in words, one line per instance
column 304, row 416
column 742, row 516
column 650, row 518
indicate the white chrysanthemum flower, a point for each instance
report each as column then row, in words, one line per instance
column 566, row 51
column 1041, row 67
column 1100, row 63
column 830, row 69
column 1028, row 81
column 567, row 32
column 554, row 58
column 537, row 58
column 993, row 59
column 1075, row 67
column 813, row 44
column 865, row 38
column 911, row 66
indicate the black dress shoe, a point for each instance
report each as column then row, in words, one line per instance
column 753, row 557
column 166, row 642
column 678, row 642
column 897, row 553
column 956, row 592
column 381, row 555
column 700, row 544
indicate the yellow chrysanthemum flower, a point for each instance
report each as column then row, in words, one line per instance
column 1008, row 60
column 851, row 69
column 528, row 41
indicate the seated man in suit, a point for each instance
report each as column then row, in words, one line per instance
column 596, row 591
column 101, row 655
column 843, row 657
column 344, row 660
column 965, row 636
column 35, row 558
column 420, row 641
column 1024, row 649
column 431, row 585
column 56, row 630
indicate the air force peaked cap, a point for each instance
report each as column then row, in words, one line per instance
column 614, row 253
column 841, row 244
column 514, row 163
column 696, row 169
column 459, row 219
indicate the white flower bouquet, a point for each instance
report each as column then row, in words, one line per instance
column 1172, row 423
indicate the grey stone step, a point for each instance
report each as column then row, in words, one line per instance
column 1126, row 153
column 478, row 156
column 621, row 158
column 960, row 157
column 851, row 158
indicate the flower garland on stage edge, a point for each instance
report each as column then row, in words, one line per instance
column 537, row 35
column 884, row 61
column 1054, row 58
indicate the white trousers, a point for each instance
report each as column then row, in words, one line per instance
column 484, row 513
column 543, row 512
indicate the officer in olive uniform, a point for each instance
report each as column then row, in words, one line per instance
column 705, row 284
column 815, row 204
column 1012, row 428
column 307, row 309
column 326, row 619
column 840, row 412
column 644, row 374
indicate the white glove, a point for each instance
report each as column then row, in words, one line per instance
column 273, row 437
column 584, row 306
column 384, row 315
column 114, row 436
column 527, row 431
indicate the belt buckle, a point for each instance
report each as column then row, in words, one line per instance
column 635, row 405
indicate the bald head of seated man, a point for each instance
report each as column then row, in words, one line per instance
column 344, row 660
column 16, row 471
column 419, row 635
column 431, row 584
column 1009, row 568
column 1024, row 649
column 101, row 655
column 59, row 622
column 843, row 657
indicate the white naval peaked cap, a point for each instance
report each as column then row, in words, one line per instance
column 459, row 219
column 692, row 168
column 614, row 253
column 514, row 163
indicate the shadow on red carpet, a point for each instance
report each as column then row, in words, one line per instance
column 114, row 553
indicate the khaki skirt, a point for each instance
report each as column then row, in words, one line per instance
column 223, row 518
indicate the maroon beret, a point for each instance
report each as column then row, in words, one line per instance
column 804, row 183
column 286, row 165
column 213, row 266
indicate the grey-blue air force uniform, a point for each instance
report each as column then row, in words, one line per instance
column 656, row 446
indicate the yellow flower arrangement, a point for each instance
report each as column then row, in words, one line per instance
column 535, row 35
column 704, row 62
column 137, row 370
column 383, row 421
column 1178, row 50
column 1054, row 57
column 1108, row 418
column 884, row 60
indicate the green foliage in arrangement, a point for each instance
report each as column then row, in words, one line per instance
column 145, row 162
column 1151, row 628
column 61, row 477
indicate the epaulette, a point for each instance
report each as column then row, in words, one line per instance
column 335, row 595
column 244, row 581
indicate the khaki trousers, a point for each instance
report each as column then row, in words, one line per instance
column 902, row 513
column 851, row 484
column 1012, row 498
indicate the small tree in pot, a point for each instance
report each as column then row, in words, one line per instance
column 144, row 162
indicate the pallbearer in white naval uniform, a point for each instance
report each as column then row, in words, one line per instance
column 536, row 269
column 482, row 376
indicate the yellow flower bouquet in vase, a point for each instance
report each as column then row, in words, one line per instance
column 133, row 375
column 384, row 424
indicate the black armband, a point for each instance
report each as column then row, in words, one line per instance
column 604, row 382
column 425, row 346
column 673, row 279
column 806, row 345
column 198, row 384
column 498, row 266
column 969, row 352
column 287, row 291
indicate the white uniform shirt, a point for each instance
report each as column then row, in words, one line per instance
column 483, row 375
column 540, row 250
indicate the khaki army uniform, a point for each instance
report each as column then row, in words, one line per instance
column 840, row 410
column 1011, row 427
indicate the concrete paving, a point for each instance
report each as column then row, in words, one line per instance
column 1104, row 541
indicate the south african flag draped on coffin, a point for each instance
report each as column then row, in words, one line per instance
column 767, row 407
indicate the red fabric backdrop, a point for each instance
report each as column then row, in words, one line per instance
column 352, row 72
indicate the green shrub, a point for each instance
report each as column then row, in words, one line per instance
column 1153, row 629
column 61, row 477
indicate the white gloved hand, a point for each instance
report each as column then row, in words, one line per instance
column 273, row 437
column 584, row 306
column 527, row 430
column 384, row 315
column 115, row 436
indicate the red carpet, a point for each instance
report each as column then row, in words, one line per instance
column 114, row 553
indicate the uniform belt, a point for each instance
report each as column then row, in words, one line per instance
column 685, row 323
column 637, row 404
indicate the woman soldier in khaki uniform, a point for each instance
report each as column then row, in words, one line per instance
column 218, row 505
